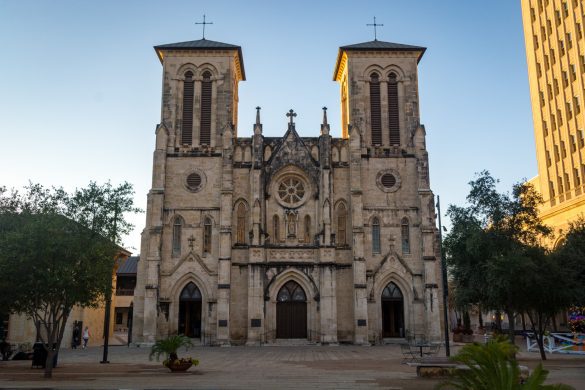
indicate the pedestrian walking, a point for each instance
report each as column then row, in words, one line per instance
column 85, row 337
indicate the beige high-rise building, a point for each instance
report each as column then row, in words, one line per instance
column 319, row 239
column 555, row 53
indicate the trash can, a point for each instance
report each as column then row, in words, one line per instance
column 40, row 356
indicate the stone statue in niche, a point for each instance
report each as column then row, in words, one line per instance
column 291, row 223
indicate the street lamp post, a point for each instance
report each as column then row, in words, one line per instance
column 445, row 285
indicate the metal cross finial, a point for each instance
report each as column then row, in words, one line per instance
column 191, row 241
column 375, row 25
column 291, row 114
column 204, row 23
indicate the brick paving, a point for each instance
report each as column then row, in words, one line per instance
column 306, row 367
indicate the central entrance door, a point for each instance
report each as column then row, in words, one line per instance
column 190, row 311
column 291, row 312
column 392, row 311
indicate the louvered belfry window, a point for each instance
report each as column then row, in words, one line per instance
column 393, row 110
column 187, row 124
column 205, row 124
column 375, row 111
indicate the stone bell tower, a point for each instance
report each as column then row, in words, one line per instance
column 186, row 244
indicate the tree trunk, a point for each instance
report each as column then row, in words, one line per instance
column 511, row 327
column 49, row 362
column 540, row 342
column 499, row 321
column 480, row 317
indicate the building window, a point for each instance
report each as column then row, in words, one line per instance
column 207, row 236
column 545, row 128
column 577, row 104
column 341, row 224
column 241, row 224
column 551, row 189
column 119, row 318
column 581, row 138
column 376, row 236
column 535, row 38
column 557, row 156
column 577, row 179
column 393, row 115
column 548, row 160
column 307, row 229
column 541, row 94
column 565, row 78
column 573, row 144
column 205, row 121
column 375, row 109
column 538, row 70
column 187, row 119
column 177, row 235
column 573, row 70
column 405, row 233
column 561, row 48
column 569, row 41
column 276, row 228
column 556, row 86
column 560, row 185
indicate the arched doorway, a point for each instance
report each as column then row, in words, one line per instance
column 291, row 312
column 190, row 311
column 392, row 311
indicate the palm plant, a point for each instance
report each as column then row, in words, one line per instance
column 169, row 347
column 492, row 366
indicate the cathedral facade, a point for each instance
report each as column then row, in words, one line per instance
column 258, row 239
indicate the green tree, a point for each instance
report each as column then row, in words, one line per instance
column 59, row 252
column 490, row 244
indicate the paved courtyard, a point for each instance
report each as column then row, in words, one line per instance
column 319, row 367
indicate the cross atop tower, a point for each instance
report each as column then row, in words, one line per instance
column 204, row 23
column 375, row 25
column 291, row 114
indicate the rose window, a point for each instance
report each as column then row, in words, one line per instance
column 291, row 190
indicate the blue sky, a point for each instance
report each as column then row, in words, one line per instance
column 81, row 84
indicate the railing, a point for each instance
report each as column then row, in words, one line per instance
column 557, row 343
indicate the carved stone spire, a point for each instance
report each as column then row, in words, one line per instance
column 258, row 125
column 325, row 126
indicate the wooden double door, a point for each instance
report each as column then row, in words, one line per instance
column 392, row 312
column 291, row 312
column 190, row 311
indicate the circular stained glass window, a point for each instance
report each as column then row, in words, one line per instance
column 291, row 190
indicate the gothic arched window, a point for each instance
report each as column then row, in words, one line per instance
column 341, row 224
column 291, row 291
column 207, row 235
column 307, row 229
column 241, row 224
column 187, row 119
column 177, row 235
column 393, row 118
column 405, row 232
column 205, row 124
column 276, row 228
column 375, row 109
column 376, row 235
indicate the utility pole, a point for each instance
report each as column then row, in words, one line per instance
column 445, row 284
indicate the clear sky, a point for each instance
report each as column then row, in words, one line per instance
column 80, row 83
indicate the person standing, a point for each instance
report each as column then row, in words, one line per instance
column 76, row 332
column 85, row 337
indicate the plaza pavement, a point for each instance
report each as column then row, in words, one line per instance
column 268, row 367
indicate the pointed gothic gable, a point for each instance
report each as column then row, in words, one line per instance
column 292, row 151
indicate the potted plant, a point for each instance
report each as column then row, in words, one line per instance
column 169, row 347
